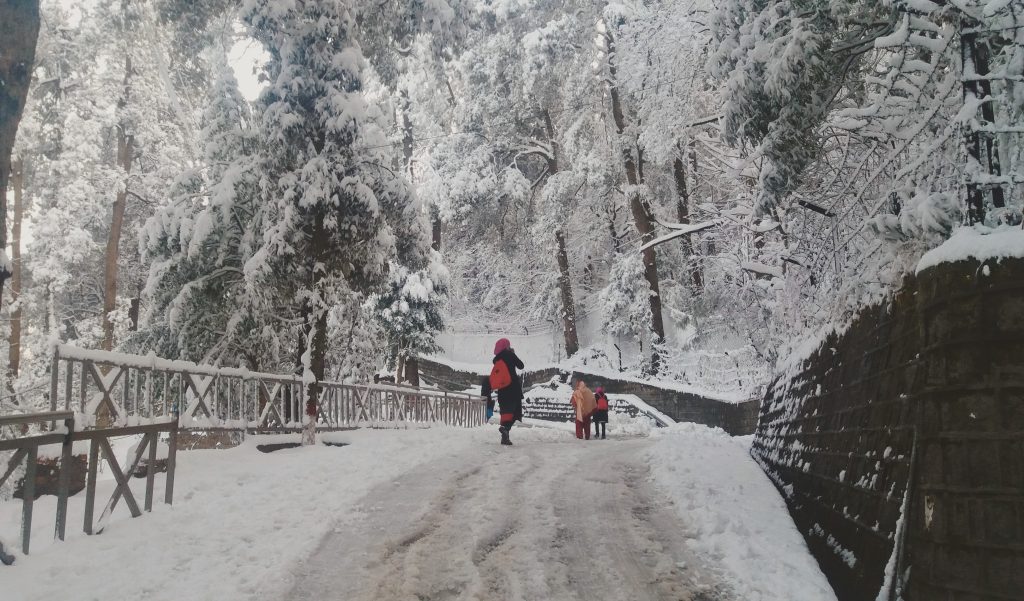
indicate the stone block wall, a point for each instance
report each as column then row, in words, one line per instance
column 917, row 405
column 966, row 519
column 734, row 418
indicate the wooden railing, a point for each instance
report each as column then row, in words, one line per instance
column 128, row 390
column 95, row 395
column 26, row 449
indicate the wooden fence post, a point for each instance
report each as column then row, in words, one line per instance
column 172, row 457
column 66, row 456
column 29, row 492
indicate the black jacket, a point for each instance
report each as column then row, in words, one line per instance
column 510, row 398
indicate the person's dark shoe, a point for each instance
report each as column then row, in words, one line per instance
column 504, row 436
column 5, row 558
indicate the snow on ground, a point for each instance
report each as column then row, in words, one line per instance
column 562, row 520
column 244, row 523
column 238, row 516
column 740, row 522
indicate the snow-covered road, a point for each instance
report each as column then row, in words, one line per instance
column 443, row 513
column 543, row 520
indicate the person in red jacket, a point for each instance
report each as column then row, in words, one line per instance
column 510, row 398
column 601, row 413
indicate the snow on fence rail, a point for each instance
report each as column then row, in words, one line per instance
column 128, row 390
column 26, row 450
column 97, row 395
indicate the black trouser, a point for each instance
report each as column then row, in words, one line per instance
column 600, row 428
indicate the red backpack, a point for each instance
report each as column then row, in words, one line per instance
column 500, row 376
column 602, row 402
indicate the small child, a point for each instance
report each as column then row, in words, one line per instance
column 485, row 391
column 601, row 413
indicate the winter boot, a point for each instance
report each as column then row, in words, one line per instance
column 4, row 557
column 504, row 436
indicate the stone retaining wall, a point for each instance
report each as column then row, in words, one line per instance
column 919, row 404
column 734, row 418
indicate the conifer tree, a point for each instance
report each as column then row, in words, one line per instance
column 331, row 212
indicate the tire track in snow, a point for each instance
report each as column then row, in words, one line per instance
column 557, row 521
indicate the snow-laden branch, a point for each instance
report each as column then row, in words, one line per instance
column 679, row 229
column 761, row 269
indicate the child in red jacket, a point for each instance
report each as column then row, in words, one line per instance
column 601, row 413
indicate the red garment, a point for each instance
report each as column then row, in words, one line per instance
column 602, row 402
column 583, row 428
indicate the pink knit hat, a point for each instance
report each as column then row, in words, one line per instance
column 501, row 345
column 600, row 390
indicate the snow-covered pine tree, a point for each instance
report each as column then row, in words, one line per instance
column 625, row 307
column 409, row 311
column 332, row 213
column 197, row 245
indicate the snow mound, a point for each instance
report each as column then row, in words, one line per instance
column 740, row 522
column 980, row 243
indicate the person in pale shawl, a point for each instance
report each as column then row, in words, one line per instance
column 584, row 402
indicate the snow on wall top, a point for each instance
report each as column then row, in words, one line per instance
column 980, row 243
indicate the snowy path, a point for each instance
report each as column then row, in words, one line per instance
column 441, row 513
column 542, row 520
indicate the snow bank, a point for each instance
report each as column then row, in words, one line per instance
column 979, row 243
column 644, row 407
column 241, row 519
column 740, row 523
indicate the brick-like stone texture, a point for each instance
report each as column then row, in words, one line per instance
column 923, row 389
column 735, row 418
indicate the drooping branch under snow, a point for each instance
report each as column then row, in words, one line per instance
column 679, row 229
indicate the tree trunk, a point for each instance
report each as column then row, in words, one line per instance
column 317, row 322
column 407, row 132
column 19, row 30
column 616, row 240
column 683, row 215
column 317, row 364
column 569, row 331
column 553, row 157
column 14, row 349
column 642, row 218
column 572, row 342
column 435, row 218
column 133, row 314
column 400, row 358
column 412, row 370
column 125, row 152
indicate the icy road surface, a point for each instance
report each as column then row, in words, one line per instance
column 679, row 513
column 541, row 520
